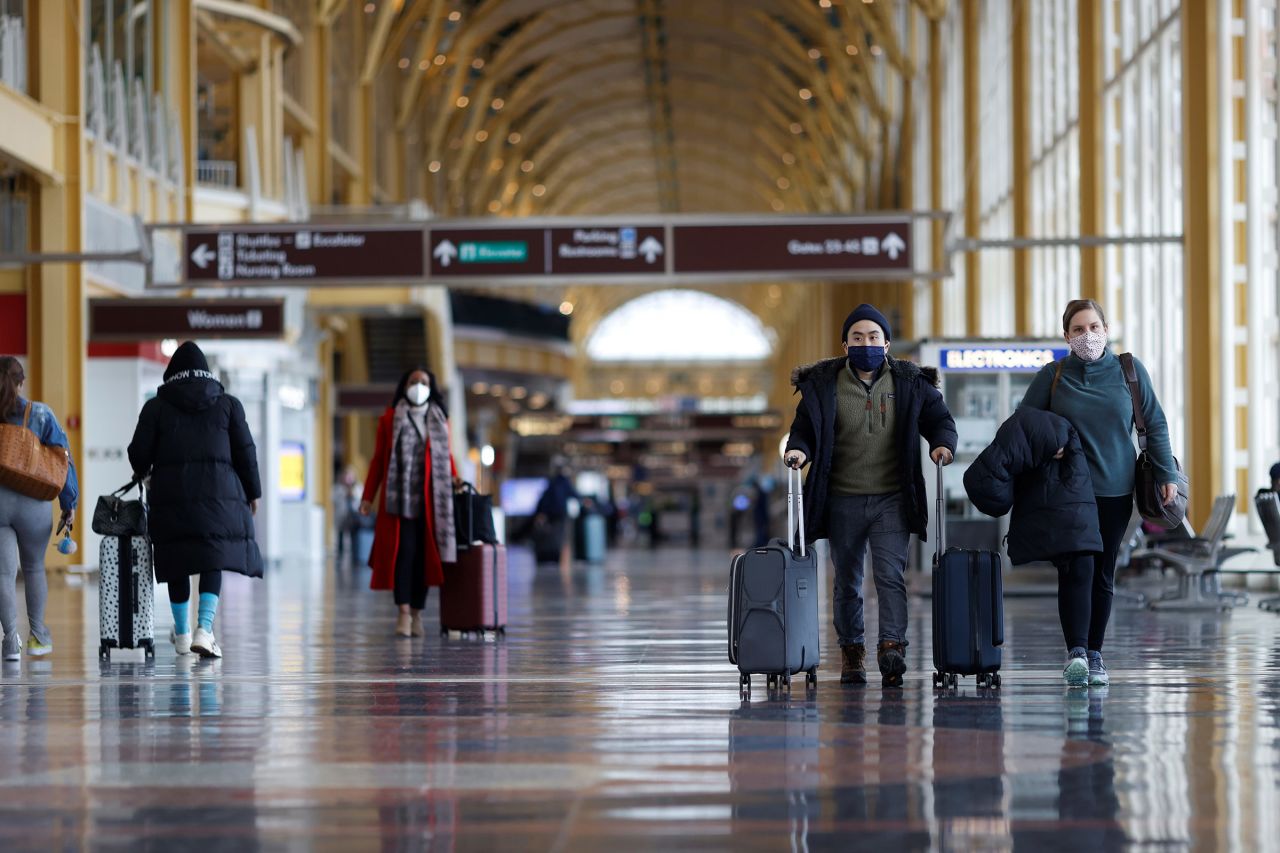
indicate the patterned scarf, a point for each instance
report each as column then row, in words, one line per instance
column 406, row 477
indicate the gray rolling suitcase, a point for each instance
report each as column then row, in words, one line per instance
column 773, row 605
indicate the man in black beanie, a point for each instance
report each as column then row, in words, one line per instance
column 859, row 422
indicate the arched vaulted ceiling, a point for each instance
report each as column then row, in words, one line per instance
column 594, row 107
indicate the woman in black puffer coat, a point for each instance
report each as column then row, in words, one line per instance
column 1037, row 468
column 193, row 441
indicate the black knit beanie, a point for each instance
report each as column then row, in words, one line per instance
column 866, row 312
column 188, row 357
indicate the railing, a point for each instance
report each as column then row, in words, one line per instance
column 216, row 173
column 13, row 53
column 121, row 117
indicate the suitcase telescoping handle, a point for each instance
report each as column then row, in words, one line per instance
column 942, row 522
column 795, row 507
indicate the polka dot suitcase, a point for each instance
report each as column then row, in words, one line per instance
column 126, row 595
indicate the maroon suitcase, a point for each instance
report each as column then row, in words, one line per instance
column 474, row 595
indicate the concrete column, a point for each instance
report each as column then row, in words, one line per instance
column 972, row 12
column 1021, row 93
column 56, row 292
column 1201, row 222
column 1092, row 165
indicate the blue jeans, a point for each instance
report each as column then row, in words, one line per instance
column 853, row 522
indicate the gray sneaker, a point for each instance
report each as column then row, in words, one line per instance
column 12, row 647
column 1098, row 670
column 1076, row 672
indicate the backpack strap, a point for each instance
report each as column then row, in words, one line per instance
column 1135, row 395
column 1057, row 377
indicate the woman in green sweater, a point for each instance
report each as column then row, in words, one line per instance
column 1088, row 389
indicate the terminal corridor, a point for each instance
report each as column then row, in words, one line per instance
column 608, row 719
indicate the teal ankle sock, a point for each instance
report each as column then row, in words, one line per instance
column 180, row 617
column 208, row 610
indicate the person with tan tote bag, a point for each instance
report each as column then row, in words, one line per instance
column 35, row 468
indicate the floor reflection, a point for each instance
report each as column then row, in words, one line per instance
column 609, row 719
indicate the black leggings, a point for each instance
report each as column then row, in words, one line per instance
column 1086, row 582
column 180, row 590
column 411, row 574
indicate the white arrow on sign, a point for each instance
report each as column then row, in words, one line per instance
column 651, row 249
column 893, row 245
column 446, row 252
column 202, row 255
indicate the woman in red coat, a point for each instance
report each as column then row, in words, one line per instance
column 414, row 534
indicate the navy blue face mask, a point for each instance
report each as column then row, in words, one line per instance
column 866, row 359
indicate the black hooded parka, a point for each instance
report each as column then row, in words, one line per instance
column 192, row 439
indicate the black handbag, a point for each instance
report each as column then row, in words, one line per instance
column 115, row 516
column 1146, row 485
column 473, row 517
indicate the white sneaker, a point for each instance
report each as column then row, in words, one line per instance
column 12, row 647
column 181, row 642
column 203, row 644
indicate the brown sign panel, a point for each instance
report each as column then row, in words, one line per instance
column 609, row 250
column 156, row 319
column 352, row 399
column 303, row 254
column 488, row 252
column 870, row 246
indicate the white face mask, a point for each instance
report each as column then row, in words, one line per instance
column 1088, row 346
column 418, row 393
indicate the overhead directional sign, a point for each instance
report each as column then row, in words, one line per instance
column 531, row 252
column 303, row 254
column 550, row 250
column 855, row 245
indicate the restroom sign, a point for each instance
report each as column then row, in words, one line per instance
column 135, row 320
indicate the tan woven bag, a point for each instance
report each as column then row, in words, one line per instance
column 29, row 467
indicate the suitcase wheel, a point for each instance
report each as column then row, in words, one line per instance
column 149, row 649
column 811, row 677
column 937, row 680
column 444, row 632
column 955, row 681
column 104, row 653
column 744, row 685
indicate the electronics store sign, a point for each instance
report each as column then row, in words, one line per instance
column 1003, row 359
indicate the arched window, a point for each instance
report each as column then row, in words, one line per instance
column 680, row 325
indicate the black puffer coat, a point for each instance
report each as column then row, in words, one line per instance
column 1054, row 511
column 193, row 441
column 921, row 413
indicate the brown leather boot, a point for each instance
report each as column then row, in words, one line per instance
column 854, row 668
column 893, row 662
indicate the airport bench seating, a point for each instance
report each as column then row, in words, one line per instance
column 1198, row 563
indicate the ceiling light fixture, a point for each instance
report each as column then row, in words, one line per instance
column 566, row 308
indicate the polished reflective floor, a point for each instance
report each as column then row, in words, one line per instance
column 609, row 719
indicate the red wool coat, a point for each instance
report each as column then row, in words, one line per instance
column 386, row 529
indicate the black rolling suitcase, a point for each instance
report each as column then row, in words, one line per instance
column 968, row 611
column 773, row 605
